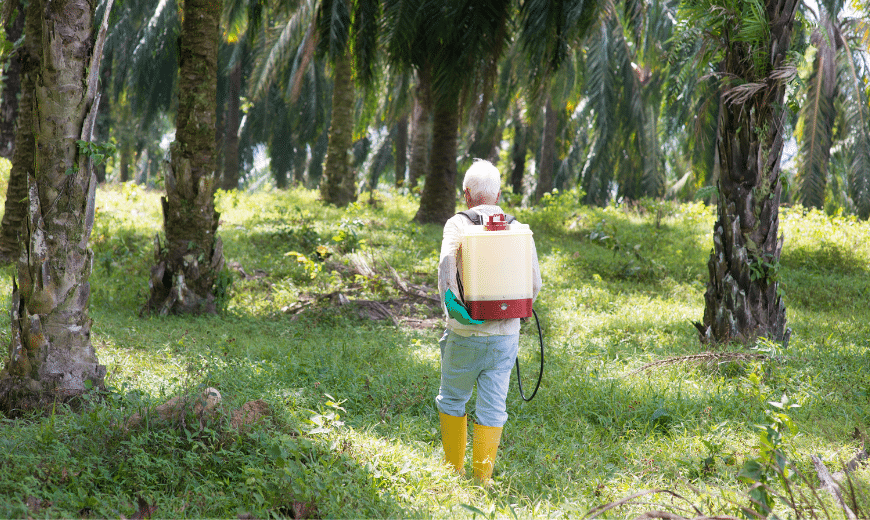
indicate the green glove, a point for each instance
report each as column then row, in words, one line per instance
column 457, row 311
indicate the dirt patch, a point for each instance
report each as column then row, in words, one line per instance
column 250, row 413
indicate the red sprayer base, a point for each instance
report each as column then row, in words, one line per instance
column 500, row 309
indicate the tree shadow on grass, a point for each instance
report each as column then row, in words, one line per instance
column 301, row 366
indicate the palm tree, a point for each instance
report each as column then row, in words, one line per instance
column 348, row 35
column 345, row 33
column 51, row 356
column 835, row 88
column 191, row 259
column 748, row 43
column 401, row 150
column 453, row 47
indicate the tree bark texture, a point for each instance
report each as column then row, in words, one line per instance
column 51, row 355
column 27, row 58
column 742, row 301
column 401, row 150
column 338, row 185
column 421, row 130
column 189, row 262
column 231, row 138
column 11, row 88
column 548, row 151
column 438, row 199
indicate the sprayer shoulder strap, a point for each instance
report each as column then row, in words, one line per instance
column 477, row 219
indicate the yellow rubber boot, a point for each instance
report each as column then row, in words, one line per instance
column 454, row 433
column 484, row 449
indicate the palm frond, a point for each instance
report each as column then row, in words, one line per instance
column 816, row 124
column 550, row 28
column 279, row 43
column 400, row 24
column 301, row 62
column 333, row 25
column 234, row 19
column 857, row 101
column 754, row 30
column 366, row 15
column 153, row 70
column 600, row 80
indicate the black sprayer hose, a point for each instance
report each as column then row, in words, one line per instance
column 541, row 373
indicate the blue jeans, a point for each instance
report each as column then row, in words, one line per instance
column 485, row 360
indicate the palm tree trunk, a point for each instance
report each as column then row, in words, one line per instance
column 24, row 150
column 231, row 139
column 743, row 300
column 300, row 157
column 548, row 151
column 126, row 152
column 51, row 356
column 438, row 200
column 339, row 183
column 518, row 155
column 401, row 150
column 420, row 130
column 11, row 88
column 315, row 166
column 188, row 264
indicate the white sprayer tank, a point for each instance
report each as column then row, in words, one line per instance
column 497, row 269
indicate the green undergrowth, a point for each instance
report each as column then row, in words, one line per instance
column 354, row 431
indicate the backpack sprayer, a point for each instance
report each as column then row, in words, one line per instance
column 496, row 276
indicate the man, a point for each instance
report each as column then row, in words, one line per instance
column 474, row 351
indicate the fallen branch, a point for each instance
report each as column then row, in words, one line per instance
column 375, row 310
column 598, row 511
column 831, row 486
column 417, row 291
column 706, row 357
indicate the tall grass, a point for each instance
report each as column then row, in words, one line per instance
column 354, row 431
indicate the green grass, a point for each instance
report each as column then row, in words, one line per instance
column 354, row 431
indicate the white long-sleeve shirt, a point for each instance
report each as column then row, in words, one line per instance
column 448, row 267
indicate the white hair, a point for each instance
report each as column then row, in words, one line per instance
column 482, row 180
